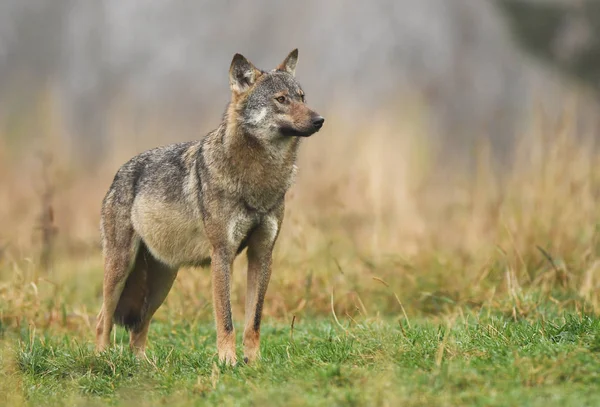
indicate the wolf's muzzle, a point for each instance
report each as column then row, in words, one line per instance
column 318, row 122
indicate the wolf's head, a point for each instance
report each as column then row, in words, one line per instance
column 270, row 105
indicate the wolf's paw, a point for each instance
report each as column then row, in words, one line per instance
column 228, row 357
column 101, row 345
column 251, row 355
column 99, row 349
column 139, row 353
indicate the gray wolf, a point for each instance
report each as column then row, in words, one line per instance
column 203, row 202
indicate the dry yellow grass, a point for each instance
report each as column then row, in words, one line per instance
column 368, row 223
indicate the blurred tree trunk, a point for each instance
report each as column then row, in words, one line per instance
column 563, row 34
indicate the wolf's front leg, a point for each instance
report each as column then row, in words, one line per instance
column 259, row 273
column 221, row 261
column 260, row 253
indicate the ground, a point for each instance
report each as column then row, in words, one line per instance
column 471, row 358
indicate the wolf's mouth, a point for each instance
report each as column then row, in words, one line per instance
column 295, row 132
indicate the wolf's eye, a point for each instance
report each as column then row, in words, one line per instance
column 280, row 99
column 302, row 97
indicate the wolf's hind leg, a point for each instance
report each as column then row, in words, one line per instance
column 159, row 280
column 120, row 246
column 117, row 262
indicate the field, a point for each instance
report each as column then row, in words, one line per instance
column 472, row 359
column 402, row 276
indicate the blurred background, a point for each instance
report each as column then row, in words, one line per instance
column 170, row 60
column 460, row 135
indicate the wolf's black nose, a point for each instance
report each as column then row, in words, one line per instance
column 318, row 122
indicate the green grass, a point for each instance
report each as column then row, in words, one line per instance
column 465, row 360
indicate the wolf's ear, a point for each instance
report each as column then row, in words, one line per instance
column 289, row 63
column 242, row 74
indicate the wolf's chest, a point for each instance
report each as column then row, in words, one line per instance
column 262, row 194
